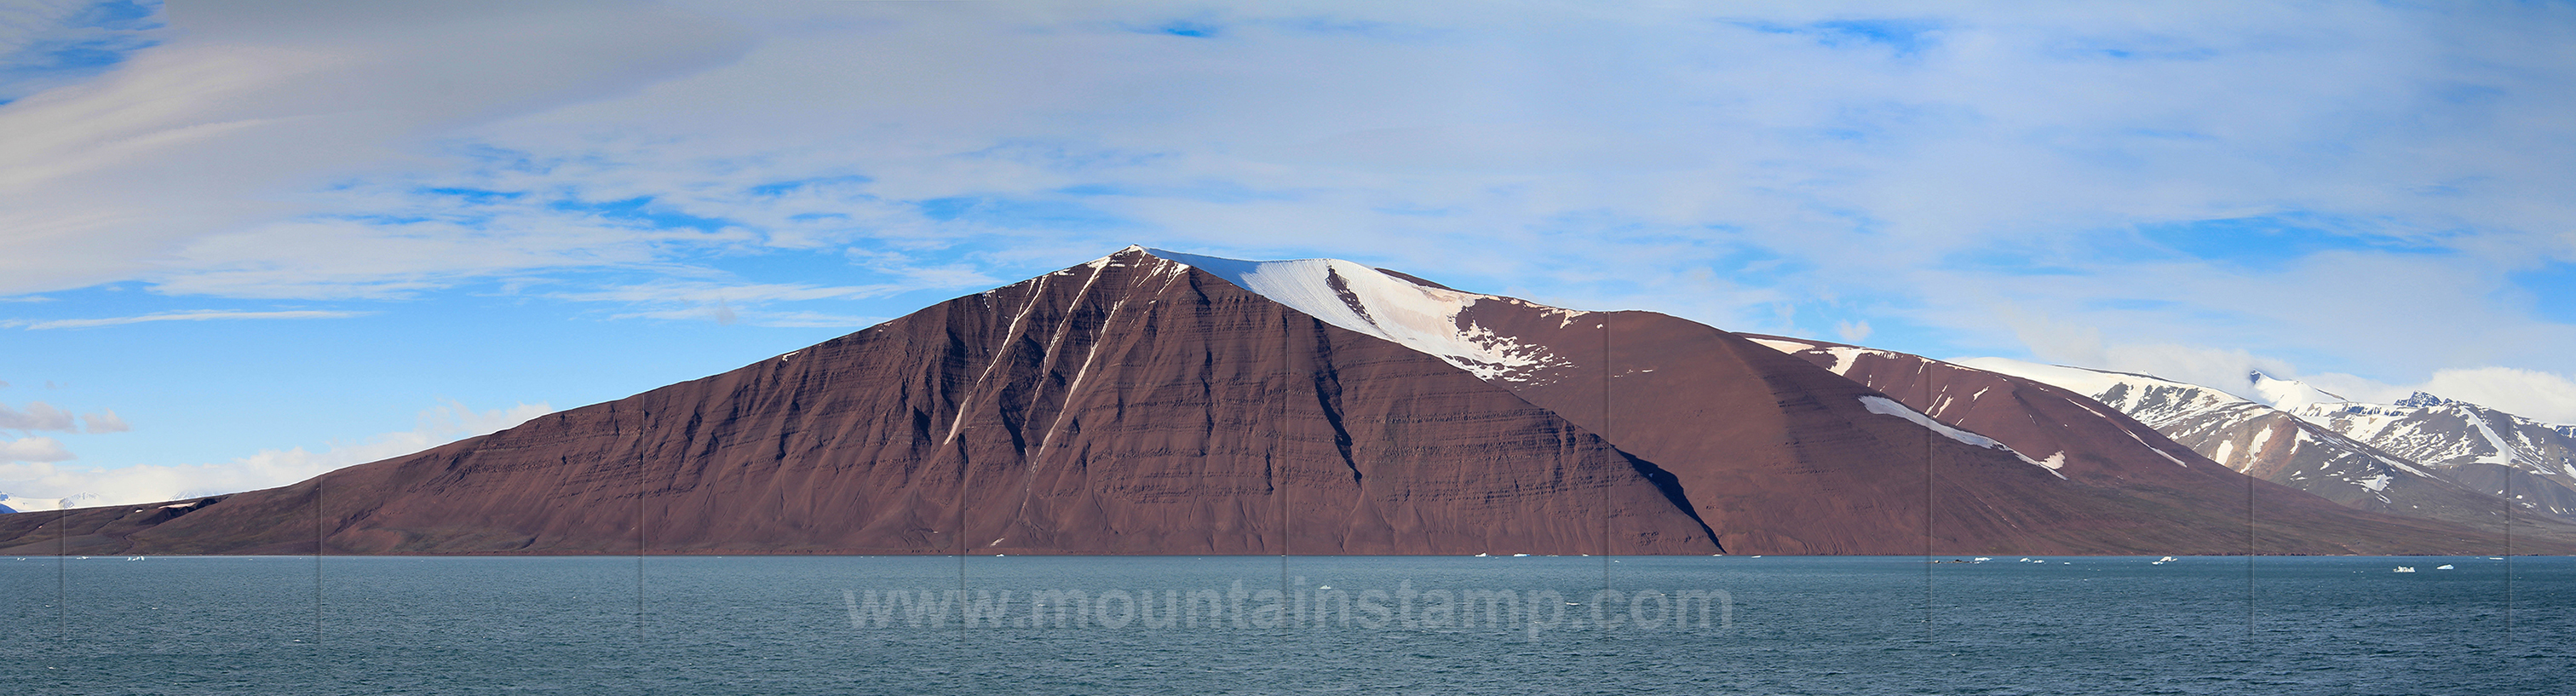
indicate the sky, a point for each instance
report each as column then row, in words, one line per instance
column 242, row 243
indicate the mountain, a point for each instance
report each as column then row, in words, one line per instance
column 2482, row 448
column 1694, row 398
column 2094, row 443
column 2284, row 448
column 10, row 503
column 2479, row 448
column 1127, row 405
column 1157, row 402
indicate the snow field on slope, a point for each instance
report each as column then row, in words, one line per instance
column 1419, row 317
column 1886, row 406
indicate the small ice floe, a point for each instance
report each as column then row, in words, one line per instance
column 1323, row 587
column 1478, row 556
column 2445, row 566
column 1982, row 559
column 2404, row 569
column 2025, row 560
column 2167, row 559
column 1520, row 555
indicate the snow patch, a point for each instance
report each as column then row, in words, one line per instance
column 2286, row 394
column 1889, row 407
column 1366, row 300
column 1782, row 345
column 2504, row 454
column 1843, row 357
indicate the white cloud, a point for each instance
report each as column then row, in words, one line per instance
column 49, row 43
column 253, row 100
column 105, row 421
column 36, row 476
column 189, row 315
column 34, row 449
column 39, row 416
column 2547, row 397
column 1852, row 332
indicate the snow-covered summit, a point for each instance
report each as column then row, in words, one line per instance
column 2422, row 400
column 1426, row 318
column 2288, row 394
column 9, row 503
column 2448, row 433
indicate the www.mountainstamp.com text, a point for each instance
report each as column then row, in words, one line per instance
column 1267, row 606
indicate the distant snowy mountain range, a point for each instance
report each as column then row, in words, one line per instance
column 9, row 503
column 2416, row 457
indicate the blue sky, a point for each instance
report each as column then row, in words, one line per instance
column 244, row 243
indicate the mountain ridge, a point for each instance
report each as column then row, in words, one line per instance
column 1141, row 404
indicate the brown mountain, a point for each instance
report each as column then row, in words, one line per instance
column 1151, row 402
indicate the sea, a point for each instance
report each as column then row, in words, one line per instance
column 1295, row 625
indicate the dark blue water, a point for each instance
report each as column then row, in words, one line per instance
column 1085, row 625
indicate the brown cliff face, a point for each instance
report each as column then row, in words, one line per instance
column 1171, row 404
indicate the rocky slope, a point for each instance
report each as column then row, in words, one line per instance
column 2482, row 448
column 2281, row 447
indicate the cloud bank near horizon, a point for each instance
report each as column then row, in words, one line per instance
column 29, row 469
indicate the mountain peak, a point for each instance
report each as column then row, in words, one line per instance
column 2422, row 400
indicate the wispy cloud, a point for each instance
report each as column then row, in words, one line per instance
column 49, row 43
column 33, row 449
column 104, row 421
column 38, row 417
column 706, row 292
column 256, row 101
column 191, row 315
